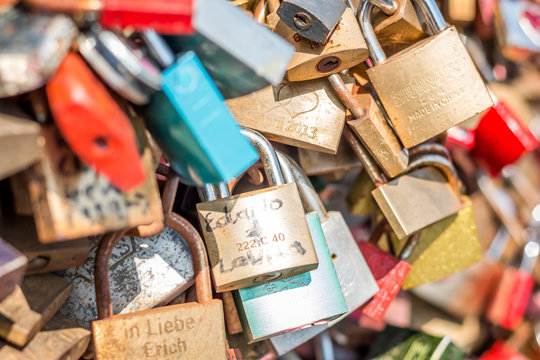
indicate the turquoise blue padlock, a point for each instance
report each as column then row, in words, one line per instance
column 280, row 306
column 194, row 128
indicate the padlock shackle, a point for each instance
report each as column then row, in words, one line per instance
column 286, row 167
column 429, row 148
column 369, row 165
column 345, row 96
column 375, row 50
column 209, row 192
column 159, row 49
column 409, row 246
column 268, row 156
column 432, row 14
column 378, row 231
column 440, row 163
column 389, row 7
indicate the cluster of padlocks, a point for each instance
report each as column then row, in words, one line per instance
column 264, row 179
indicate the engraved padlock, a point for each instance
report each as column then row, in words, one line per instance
column 313, row 20
column 430, row 86
column 12, row 268
column 238, row 65
column 303, row 114
column 355, row 278
column 257, row 236
column 371, row 127
column 194, row 128
column 94, row 125
column 191, row 330
column 344, row 49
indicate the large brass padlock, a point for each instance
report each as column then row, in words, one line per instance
column 257, row 236
column 429, row 87
column 190, row 330
column 303, row 114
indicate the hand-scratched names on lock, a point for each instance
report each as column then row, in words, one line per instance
column 246, row 214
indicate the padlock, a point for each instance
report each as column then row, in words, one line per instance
column 397, row 27
column 162, row 16
column 502, row 350
column 194, row 127
column 257, row 236
column 191, row 330
column 33, row 45
column 312, row 20
column 501, row 138
column 238, row 65
column 119, row 65
column 344, row 49
column 460, row 12
column 93, row 124
column 71, row 201
column 20, row 232
column 371, row 127
column 408, row 201
column 359, row 199
column 30, row 306
column 430, row 86
column 514, row 290
column 458, row 137
column 12, row 268
column 20, row 143
column 318, row 163
column 355, row 278
column 321, row 297
column 59, row 339
column 304, row 114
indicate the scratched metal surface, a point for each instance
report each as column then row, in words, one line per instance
column 144, row 273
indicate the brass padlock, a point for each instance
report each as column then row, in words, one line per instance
column 303, row 114
column 373, row 130
column 429, row 87
column 344, row 49
column 317, row 163
column 191, row 330
column 257, row 236
column 420, row 197
column 12, row 268
column 60, row 339
column 359, row 199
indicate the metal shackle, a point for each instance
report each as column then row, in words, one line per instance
column 389, row 7
column 439, row 162
column 209, row 192
column 383, row 227
column 268, row 156
column 429, row 148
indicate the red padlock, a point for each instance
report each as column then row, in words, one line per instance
column 501, row 138
column 93, row 124
column 459, row 137
column 501, row 351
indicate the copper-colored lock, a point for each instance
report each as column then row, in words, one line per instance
column 304, row 114
column 344, row 49
column 191, row 330
column 429, row 87
column 259, row 236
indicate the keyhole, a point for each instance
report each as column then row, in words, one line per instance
column 101, row 142
column 302, row 20
column 328, row 64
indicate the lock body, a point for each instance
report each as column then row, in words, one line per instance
column 312, row 19
column 379, row 137
column 305, row 114
column 408, row 203
column 12, row 268
column 317, row 163
column 344, row 49
column 320, row 291
column 501, row 138
column 429, row 87
column 435, row 257
column 194, row 127
column 256, row 237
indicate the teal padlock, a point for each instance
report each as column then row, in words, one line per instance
column 298, row 302
column 194, row 128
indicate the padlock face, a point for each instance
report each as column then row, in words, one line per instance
column 93, row 124
column 517, row 27
column 306, row 114
column 408, row 202
column 237, row 66
column 255, row 237
column 190, row 331
column 12, row 268
column 389, row 272
column 166, row 17
column 144, row 273
column 71, row 201
column 355, row 278
column 317, row 163
column 435, row 256
column 501, row 138
column 195, row 129
column 379, row 137
column 312, row 19
column 344, row 49
column 38, row 42
column 19, row 142
column 458, row 137
column 320, row 291
column 400, row 30
column 430, row 87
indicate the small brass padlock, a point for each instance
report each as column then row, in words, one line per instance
column 317, row 163
column 429, row 87
column 258, row 236
column 304, row 114
column 191, row 330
